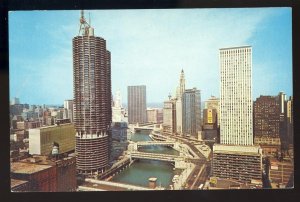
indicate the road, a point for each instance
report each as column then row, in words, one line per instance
column 202, row 167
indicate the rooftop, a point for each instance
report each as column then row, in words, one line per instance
column 15, row 182
column 235, row 47
column 27, row 168
column 237, row 148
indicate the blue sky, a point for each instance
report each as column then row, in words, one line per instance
column 149, row 47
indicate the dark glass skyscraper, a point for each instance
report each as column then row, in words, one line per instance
column 92, row 100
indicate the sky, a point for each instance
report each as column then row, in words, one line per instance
column 149, row 47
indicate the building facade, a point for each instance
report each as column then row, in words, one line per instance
column 236, row 157
column 290, row 120
column 92, row 100
column 191, row 112
column 169, row 117
column 154, row 115
column 68, row 112
column 241, row 163
column 43, row 173
column 266, row 115
column 119, row 139
column 137, row 104
column 236, row 126
column 179, row 93
column 213, row 103
column 117, row 109
column 41, row 139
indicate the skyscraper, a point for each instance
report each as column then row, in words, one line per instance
column 236, row 158
column 290, row 121
column 169, row 117
column 191, row 112
column 179, row 92
column 137, row 104
column 92, row 100
column 117, row 114
column 15, row 101
column 68, row 106
column 266, row 115
column 236, row 96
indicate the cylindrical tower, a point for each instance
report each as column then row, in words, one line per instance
column 92, row 105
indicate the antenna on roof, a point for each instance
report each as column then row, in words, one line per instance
column 89, row 18
column 84, row 26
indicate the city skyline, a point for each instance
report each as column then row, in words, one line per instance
column 40, row 50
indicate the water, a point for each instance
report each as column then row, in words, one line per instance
column 140, row 171
column 153, row 148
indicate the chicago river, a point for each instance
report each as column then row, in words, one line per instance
column 140, row 171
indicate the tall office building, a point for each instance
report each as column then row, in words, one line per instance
column 117, row 110
column 236, row 158
column 68, row 112
column 191, row 112
column 169, row 117
column 266, row 115
column 236, row 96
column 181, row 88
column 290, row 121
column 15, row 101
column 92, row 100
column 179, row 92
column 137, row 104
column 283, row 121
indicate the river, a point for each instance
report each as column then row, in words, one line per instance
column 140, row 171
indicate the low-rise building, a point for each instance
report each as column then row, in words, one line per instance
column 40, row 177
column 47, row 174
column 280, row 172
column 41, row 139
column 19, row 185
column 236, row 162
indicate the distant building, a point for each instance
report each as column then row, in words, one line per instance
column 169, row 117
column 137, row 104
column 210, row 118
column 283, row 121
column 213, row 103
column 154, row 115
column 68, row 112
column 25, row 125
column 290, row 120
column 191, row 112
column 118, row 111
column 41, row 139
column 16, row 109
column 209, row 126
column 179, row 93
column 15, row 101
